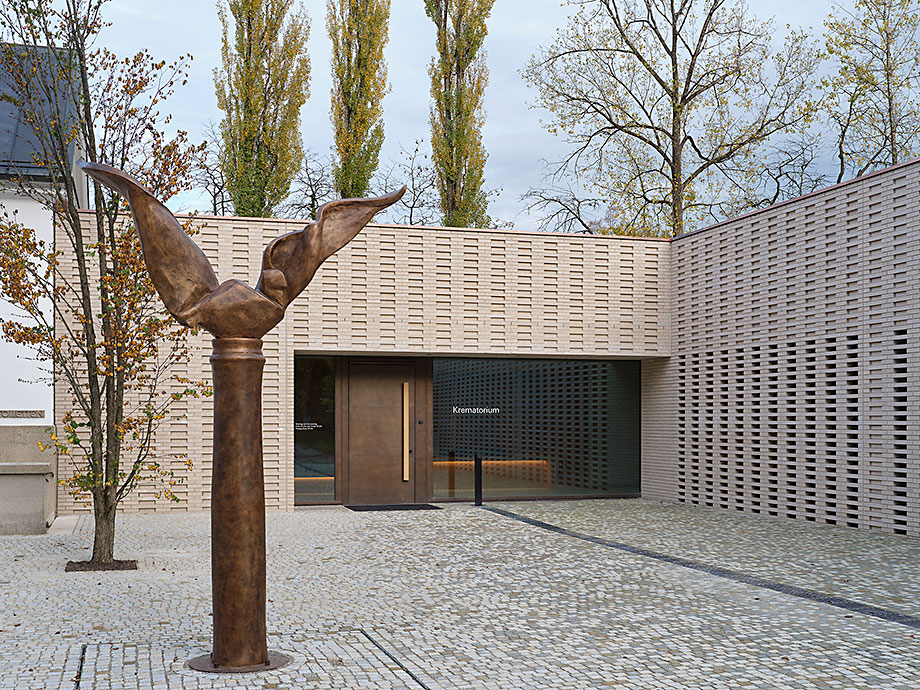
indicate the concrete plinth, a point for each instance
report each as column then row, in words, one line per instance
column 27, row 481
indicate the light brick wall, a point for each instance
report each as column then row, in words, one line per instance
column 793, row 388
column 795, row 370
column 487, row 293
column 659, row 441
column 418, row 291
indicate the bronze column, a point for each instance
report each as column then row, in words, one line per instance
column 238, row 511
column 238, row 316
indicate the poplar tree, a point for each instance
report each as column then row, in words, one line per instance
column 358, row 31
column 263, row 81
column 458, row 80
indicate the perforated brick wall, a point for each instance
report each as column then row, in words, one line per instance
column 794, row 384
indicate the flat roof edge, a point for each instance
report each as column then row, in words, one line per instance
column 592, row 236
column 489, row 231
column 797, row 199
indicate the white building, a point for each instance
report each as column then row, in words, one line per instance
column 25, row 383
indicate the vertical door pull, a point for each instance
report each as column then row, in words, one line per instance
column 405, row 439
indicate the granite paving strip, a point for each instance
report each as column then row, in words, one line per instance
column 839, row 602
column 458, row 598
column 349, row 659
column 394, row 659
column 860, row 565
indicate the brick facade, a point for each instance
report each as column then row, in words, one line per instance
column 793, row 387
column 416, row 291
column 780, row 350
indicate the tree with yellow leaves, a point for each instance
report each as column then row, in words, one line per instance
column 263, row 81
column 358, row 31
column 873, row 97
column 458, row 81
column 667, row 104
column 94, row 315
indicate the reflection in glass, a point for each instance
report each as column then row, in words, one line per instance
column 314, row 430
column 542, row 427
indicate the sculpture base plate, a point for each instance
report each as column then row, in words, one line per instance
column 203, row 663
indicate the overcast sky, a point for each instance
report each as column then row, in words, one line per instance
column 514, row 138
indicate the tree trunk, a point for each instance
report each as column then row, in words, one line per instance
column 889, row 94
column 677, row 182
column 104, row 535
column 677, row 131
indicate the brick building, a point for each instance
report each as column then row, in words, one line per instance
column 769, row 363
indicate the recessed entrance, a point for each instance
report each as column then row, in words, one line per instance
column 397, row 431
column 314, row 430
column 381, row 434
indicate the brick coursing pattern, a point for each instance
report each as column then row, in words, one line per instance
column 416, row 291
column 795, row 368
column 793, row 382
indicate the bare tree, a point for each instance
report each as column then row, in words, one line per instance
column 664, row 100
column 313, row 186
column 561, row 207
column 791, row 169
column 873, row 97
column 420, row 204
column 208, row 173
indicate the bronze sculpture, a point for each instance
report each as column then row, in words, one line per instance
column 237, row 315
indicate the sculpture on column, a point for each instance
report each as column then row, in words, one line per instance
column 237, row 315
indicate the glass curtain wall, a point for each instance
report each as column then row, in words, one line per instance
column 314, row 429
column 542, row 427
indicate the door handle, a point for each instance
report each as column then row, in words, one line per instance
column 405, row 430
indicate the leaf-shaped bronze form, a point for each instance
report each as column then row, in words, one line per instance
column 238, row 316
column 290, row 261
column 185, row 280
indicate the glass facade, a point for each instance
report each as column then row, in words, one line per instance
column 314, row 429
column 542, row 427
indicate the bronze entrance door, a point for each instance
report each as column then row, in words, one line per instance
column 381, row 434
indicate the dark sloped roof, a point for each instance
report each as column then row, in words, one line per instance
column 18, row 142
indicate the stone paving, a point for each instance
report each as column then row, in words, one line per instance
column 463, row 598
column 866, row 566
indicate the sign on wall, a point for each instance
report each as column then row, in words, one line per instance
column 22, row 414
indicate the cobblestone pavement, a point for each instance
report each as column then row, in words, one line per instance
column 465, row 598
column 869, row 567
